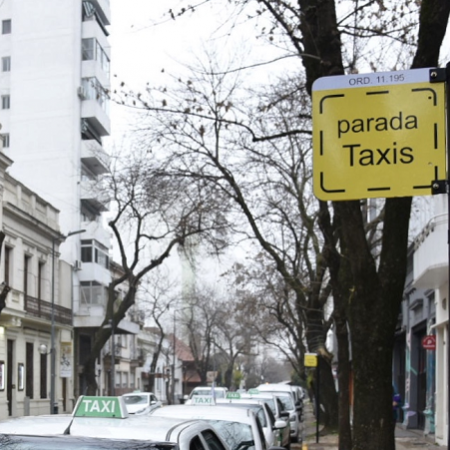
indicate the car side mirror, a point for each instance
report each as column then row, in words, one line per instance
column 279, row 424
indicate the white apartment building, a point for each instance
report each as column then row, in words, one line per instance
column 54, row 112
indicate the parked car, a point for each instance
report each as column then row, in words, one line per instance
column 103, row 423
column 141, row 402
column 291, row 403
column 239, row 428
column 279, row 412
column 271, row 426
column 216, row 392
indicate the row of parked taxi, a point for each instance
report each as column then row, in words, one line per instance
column 266, row 418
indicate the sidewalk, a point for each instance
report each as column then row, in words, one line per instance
column 404, row 439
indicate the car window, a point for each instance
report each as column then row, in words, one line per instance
column 261, row 434
column 17, row 442
column 136, row 399
column 196, row 444
column 271, row 415
column 212, row 440
column 287, row 402
column 238, row 436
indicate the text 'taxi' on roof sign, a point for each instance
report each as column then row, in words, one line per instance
column 106, row 407
column 378, row 134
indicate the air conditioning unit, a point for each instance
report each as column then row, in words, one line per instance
column 81, row 91
column 77, row 265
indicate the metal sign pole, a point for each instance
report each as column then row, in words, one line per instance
column 317, row 398
column 447, row 77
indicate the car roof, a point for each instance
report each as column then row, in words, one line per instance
column 137, row 393
column 162, row 429
column 275, row 387
column 148, row 428
column 77, row 442
column 39, row 425
column 214, row 412
column 247, row 401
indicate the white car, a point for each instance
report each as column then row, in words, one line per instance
column 238, row 427
column 102, row 423
column 290, row 402
column 277, row 408
column 216, row 392
column 270, row 425
column 141, row 402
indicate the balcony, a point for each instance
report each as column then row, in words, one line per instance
column 431, row 254
column 93, row 193
column 43, row 310
column 94, row 113
column 94, row 157
column 103, row 9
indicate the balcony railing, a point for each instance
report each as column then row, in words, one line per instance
column 43, row 309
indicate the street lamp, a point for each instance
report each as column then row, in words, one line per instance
column 53, row 404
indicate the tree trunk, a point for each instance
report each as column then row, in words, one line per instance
column 315, row 335
column 344, row 371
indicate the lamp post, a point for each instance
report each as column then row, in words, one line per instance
column 53, row 404
column 113, row 360
column 112, row 371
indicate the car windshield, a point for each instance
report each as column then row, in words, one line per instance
column 218, row 393
column 238, row 436
column 287, row 402
column 17, row 442
column 136, row 399
column 258, row 410
column 271, row 404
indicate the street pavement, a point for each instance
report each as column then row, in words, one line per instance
column 405, row 439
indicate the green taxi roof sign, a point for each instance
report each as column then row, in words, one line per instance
column 106, row 407
column 253, row 391
column 233, row 395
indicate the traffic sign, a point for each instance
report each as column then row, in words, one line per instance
column 310, row 360
column 429, row 342
column 378, row 134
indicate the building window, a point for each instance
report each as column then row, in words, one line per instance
column 6, row 26
column 26, row 268
column 91, row 50
column 6, row 101
column 87, row 49
column 124, row 379
column 5, row 137
column 43, row 376
column 93, row 90
column 8, row 261
column 40, row 280
column 118, row 379
column 93, row 251
column 6, row 64
column 29, row 370
column 93, row 293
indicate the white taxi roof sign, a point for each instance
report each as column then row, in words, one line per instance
column 105, row 407
column 203, row 400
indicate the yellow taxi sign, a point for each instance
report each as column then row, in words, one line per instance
column 378, row 135
column 310, row 360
